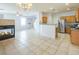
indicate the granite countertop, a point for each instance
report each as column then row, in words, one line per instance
column 75, row 28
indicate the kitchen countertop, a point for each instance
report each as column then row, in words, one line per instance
column 50, row 24
column 47, row 24
column 74, row 29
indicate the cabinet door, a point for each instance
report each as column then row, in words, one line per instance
column 68, row 30
column 75, row 37
column 77, row 15
column 44, row 19
column 70, row 19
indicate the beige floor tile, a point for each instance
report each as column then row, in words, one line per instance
column 73, row 52
column 2, row 51
column 62, row 52
column 29, row 42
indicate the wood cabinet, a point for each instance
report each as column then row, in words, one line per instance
column 70, row 19
column 77, row 15
column 68, row 30
column 75, row 36
column 44, row 19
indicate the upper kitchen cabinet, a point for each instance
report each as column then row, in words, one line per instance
column 70, row 19
column 77, row 15
column 44, row 19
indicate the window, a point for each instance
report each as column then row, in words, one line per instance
column 23, row 21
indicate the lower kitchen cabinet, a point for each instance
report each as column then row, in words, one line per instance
column 68, row 30
column 75, row 36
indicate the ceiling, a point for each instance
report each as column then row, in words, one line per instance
column 42, row 7
column 57, row 7
column 7, row 8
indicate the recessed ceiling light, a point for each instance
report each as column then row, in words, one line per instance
column 51, row 8
column 67, row 4
column 30, row 4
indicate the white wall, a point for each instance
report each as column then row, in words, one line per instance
column 7, row 16
column 10, row 16
column 52, row 18
column 39, row 17
column 18, row 21
column 57, row 16
column 36, row 23
column 27, row 14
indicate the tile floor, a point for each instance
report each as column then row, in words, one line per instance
column 31, row 43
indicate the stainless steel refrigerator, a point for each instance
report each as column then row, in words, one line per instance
column 62, row 25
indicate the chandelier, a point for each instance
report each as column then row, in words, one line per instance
column 22, row 7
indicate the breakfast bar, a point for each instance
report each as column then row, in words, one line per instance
column 48, row 30
column 75, row 36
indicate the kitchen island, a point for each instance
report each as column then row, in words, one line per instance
column 48, row 30
column 75, row 36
